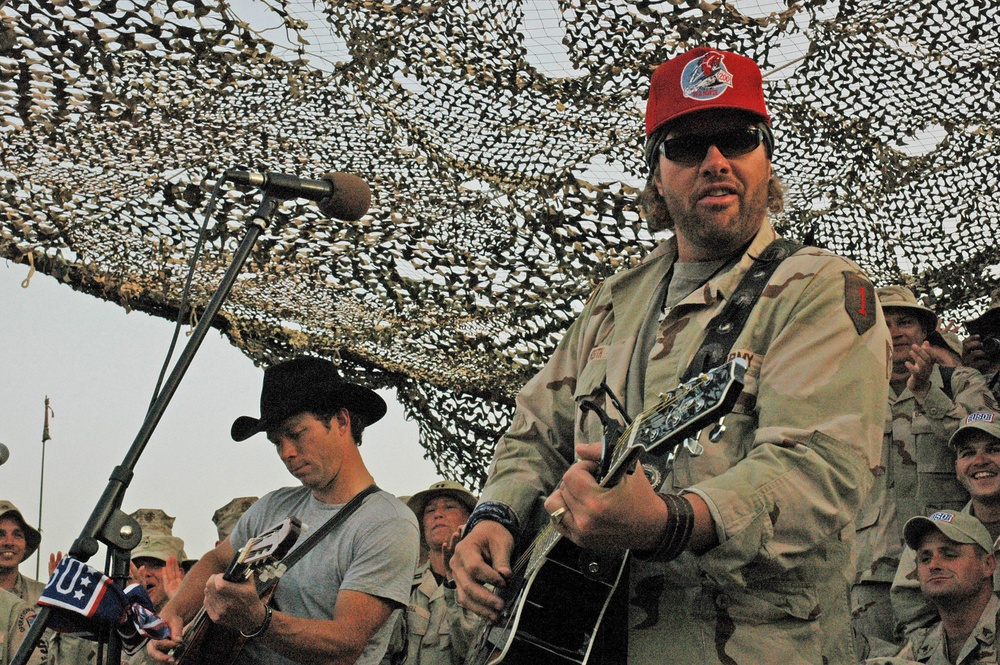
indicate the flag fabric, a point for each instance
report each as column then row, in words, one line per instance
column 83, row 598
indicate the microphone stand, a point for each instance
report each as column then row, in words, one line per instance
column 107, row 523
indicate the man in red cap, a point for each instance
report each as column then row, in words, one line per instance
column 741, row 553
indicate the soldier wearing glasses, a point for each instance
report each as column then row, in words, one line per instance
column 742, row 554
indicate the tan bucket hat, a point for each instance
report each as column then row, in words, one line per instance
column 900, row 297
column 31, row 534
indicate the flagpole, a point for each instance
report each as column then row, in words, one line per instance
column 41, row 483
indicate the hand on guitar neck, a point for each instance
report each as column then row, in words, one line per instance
column 235, row 605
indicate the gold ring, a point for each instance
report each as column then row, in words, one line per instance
column 557, row 515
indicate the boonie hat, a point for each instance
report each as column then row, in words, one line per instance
column 900, row 297
column 457, row 490
column 225, row 518
column 704, row 78
column 984, row 421
column 990, row 320
column 303, row 384
column 31, row 535
column 960, row 527
column 158, row 541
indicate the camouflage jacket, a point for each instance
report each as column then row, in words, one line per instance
column 783, row 483
column 980, row 647
column 438, row 630
column 15, row 615
column 912, row 610
column 28, row 590
column 916, row 475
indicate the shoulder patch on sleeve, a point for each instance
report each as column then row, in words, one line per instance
column 859, row 301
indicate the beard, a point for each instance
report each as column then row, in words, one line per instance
column 720, row 237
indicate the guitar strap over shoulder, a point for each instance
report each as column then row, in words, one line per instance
column 728, row 324
column 322, row 532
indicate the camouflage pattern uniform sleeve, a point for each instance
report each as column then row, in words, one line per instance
column 538, row 448
column 464, row 626
column 818, row 435
column 15, row 616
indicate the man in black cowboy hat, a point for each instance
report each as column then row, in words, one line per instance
column 334, row 604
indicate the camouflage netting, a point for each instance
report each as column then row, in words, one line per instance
column 502, row 141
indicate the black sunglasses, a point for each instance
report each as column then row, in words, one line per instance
column 690, row 149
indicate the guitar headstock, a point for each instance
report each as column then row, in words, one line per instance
column 264, row 549
column 691, row 406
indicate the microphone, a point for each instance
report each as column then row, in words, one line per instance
column 4, row 454
column 340, row 195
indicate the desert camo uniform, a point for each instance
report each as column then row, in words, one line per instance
column 916, row 476
column 783, row 483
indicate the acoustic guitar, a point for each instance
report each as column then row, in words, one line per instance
column 207, row 643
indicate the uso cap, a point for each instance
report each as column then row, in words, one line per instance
column 704, row 78
column 959, row 527
column 983, row 421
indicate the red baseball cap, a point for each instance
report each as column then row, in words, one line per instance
column 704, row 78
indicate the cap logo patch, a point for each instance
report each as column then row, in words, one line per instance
column 979, row 417
column 942, row 517
column 706, row 77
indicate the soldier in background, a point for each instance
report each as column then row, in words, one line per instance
column 977, row 467
column 955, row 565
column 981, row 349
column 157, row 557
column 438, row 630
column 18, row 541
column 15, row 618
column 916, row 475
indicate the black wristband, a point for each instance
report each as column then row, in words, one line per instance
column 263, row 626
column 676, row 532
column 494, row 511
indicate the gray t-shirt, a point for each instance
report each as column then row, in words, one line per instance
column 374, row 552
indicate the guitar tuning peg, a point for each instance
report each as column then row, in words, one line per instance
column 693, row 447
column 717, row 431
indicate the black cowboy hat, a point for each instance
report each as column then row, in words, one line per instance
column 306, row 384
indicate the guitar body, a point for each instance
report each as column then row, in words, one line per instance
column 555, row 612
column 208, row 642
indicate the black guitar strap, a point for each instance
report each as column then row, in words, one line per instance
column 322, row 532
column 728, row 324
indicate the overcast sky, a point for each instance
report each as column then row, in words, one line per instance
column 98, row 365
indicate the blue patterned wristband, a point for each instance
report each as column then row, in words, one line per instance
column 494, row 511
